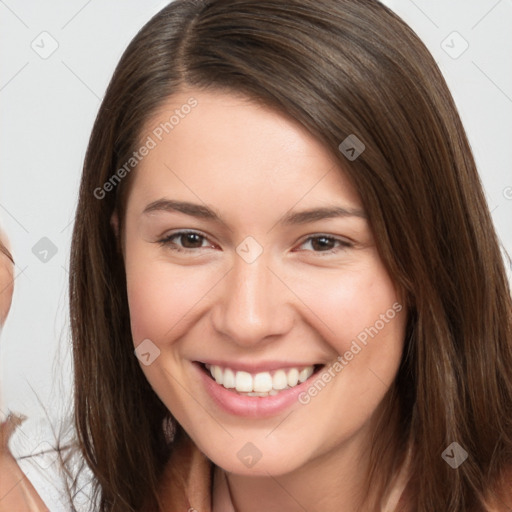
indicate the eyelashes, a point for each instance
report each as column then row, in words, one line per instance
column 321, row 240
column 321, row 244
column 194, row 236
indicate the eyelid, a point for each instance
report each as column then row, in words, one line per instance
column 166, row 239
column 343, row 242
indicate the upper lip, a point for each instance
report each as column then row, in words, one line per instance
column 252, row 367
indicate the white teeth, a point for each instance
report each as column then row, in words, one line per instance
column 305, row 374
column 272, row 392
column 243, row 381
column 262, row 383
column 218, row 374
column 279, row 380
column 229, row 379
column 293, row 377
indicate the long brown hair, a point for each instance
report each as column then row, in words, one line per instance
column 339, row 68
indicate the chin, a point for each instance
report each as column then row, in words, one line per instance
column 249, row 460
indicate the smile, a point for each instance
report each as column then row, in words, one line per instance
column 260, row 384
column 254, row 390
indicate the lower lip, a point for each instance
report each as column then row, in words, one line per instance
column 251, row 406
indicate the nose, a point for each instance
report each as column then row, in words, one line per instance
column 253, row 305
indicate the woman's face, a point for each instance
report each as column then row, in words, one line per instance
column 278, row 276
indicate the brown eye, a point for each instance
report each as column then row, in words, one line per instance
column 184, row 241
column 322, row 243
column 325, row 244
column 191, row 240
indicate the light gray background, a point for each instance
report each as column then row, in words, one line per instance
column 48, row 106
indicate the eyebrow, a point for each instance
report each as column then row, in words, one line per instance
column 316, row 214
column 295, row 218
column 192, row 209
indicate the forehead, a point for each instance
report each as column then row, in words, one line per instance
column 216, row 145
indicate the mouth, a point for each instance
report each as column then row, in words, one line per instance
column 260, row 384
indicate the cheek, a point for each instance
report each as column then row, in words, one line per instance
column 366, row 308
column 350, row 305
column 363, row 320
column 370, row 347
column 361, row 316
column 160, row 296
column 372, row 323
column 161, row 300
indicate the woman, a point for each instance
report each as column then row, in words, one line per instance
column 286, row 289
column 16, row 490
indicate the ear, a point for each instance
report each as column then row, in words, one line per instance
column 114, row 223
